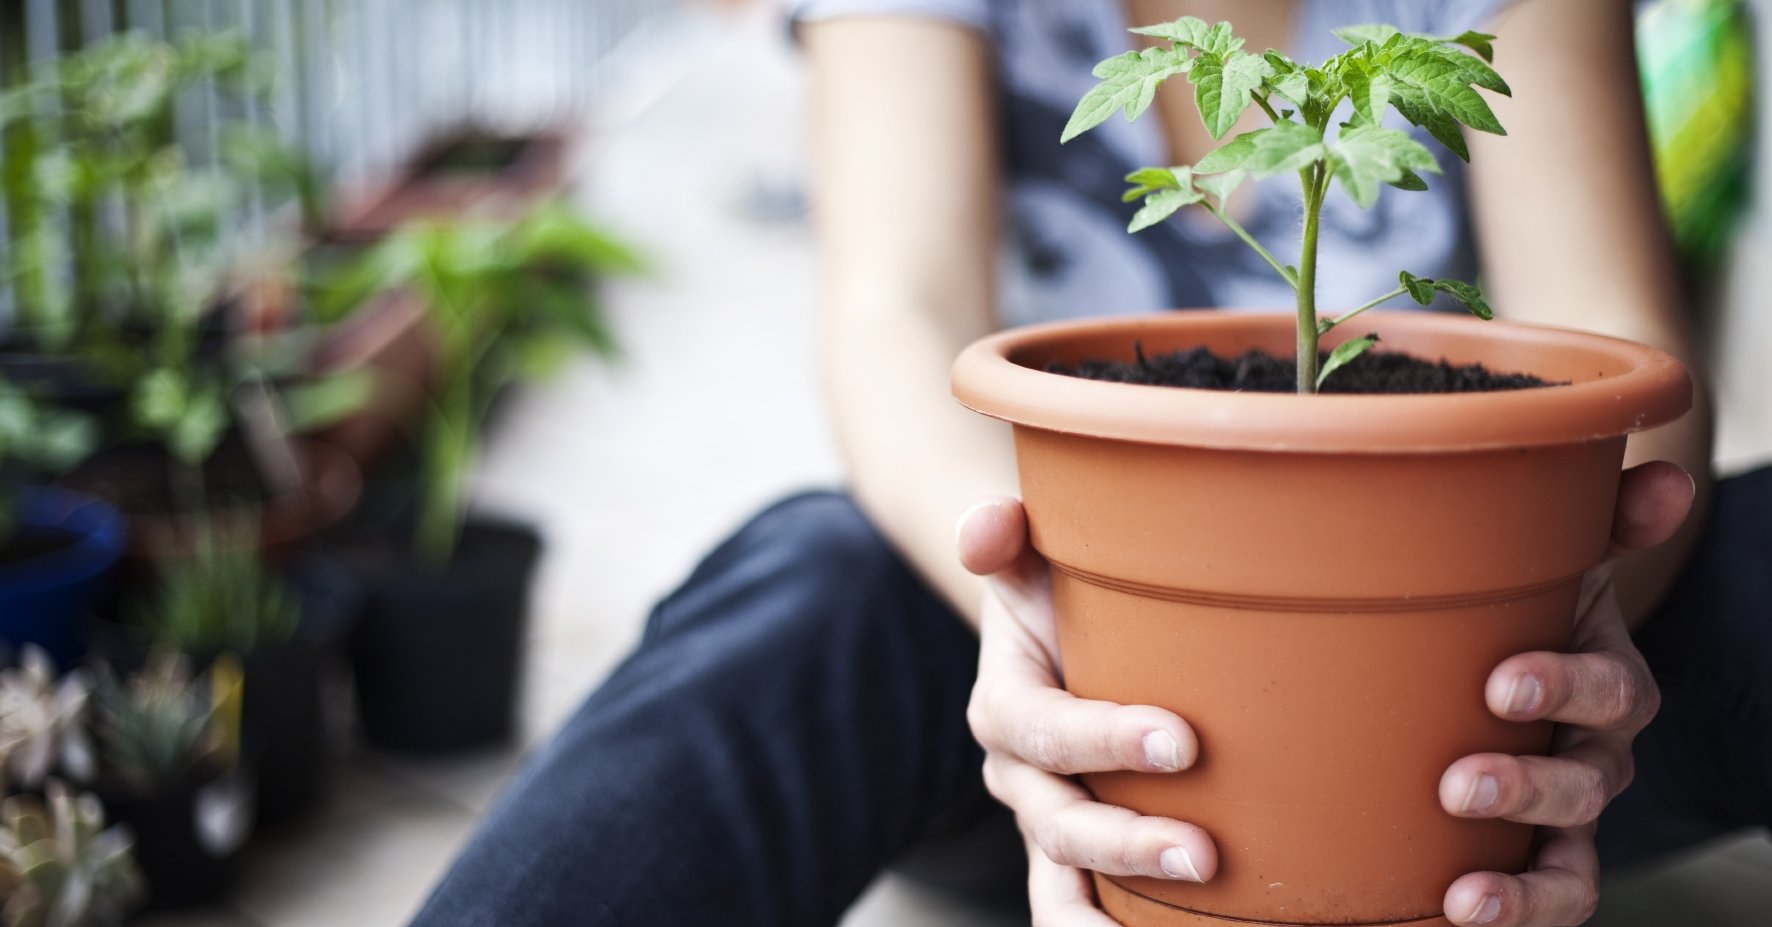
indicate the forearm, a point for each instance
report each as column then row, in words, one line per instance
column 1593, row 252
column 917, row 459
column 907, row 215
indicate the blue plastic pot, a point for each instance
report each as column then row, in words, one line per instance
column 43, row 600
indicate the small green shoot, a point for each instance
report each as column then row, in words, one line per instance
column 1431, row 81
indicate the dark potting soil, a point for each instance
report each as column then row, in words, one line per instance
column 1256, row 371
column 32, row 543
column 475, row 156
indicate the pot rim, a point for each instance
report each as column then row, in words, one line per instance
column 1649, row 388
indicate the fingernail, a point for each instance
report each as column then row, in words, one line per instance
column 1486, row 910
column 1179, row 865
column 1481, row 795
column 1160, row 751
column 1525, row 695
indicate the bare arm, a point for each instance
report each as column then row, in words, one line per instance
column 907, row 206
column 1581, row 243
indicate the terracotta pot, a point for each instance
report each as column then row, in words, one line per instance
column 429, row 186
column 392, row 341
column 1320, row 585
column 329, row 489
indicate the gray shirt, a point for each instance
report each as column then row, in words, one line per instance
column 1071, row 255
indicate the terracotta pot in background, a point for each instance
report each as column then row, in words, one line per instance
column 1319, row 585
column 391, row 340
column 495, row 174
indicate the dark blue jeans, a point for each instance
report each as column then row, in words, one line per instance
column 793, row 722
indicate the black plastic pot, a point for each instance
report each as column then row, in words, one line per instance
column 188, row 834
column 438, row 654
column 285, row 728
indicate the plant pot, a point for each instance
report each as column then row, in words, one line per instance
column 188, row 834
column 470, row 171
column 1319, row 585
column 284, row 725
column 391, row 340
column 286, row 735
column 76, row 539
column 438, row 655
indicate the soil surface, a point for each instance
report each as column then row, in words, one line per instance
column 1376, row 371
column 31, row 543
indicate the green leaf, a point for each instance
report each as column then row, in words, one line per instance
column 64, row 439
column 195, row 435
column 1294, row 87
column 1148, row 180
column 1128, row 82
column 326, row 400
column 1222, row 87
column 1429, row 82
column 1160, row 206
column 1376, row 34
column 1479, row 42
column 1283, row 148
column 1343, row 354
column 1410, row 181
column 1364, row 157
column 1220, row 186
column 1422, row 290
column 1193, row 32
column 1369, row 90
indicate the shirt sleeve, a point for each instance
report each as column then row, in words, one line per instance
column 974, row 13
column 1456, row 16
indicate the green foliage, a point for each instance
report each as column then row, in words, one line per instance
column 60, row 866
column 505, row 299
column 152, row 240
column 221, row 597
column 1430, row 81
column 1343, row 355
column 37, row 440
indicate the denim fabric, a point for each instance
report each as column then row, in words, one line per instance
column 793, row 722
column 1704, row 765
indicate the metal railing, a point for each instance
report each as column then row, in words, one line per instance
column 359, row 84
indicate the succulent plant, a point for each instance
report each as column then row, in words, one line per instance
column 156, row 726
column 60, row 866
column 42, row 722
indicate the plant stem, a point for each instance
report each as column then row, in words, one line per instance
column 1306, row 284
column 1324, row 326
column 1248, row 239
column 1266, row 107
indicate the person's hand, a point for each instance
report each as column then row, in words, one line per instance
column 1602, row 694
column 1036, row 736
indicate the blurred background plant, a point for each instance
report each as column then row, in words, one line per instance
column 60, row 866
column 42, row 723
column 161, row 724
column 506, row 301
column 221, row 597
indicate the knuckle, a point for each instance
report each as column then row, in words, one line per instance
column 993, row 781
column 1050, row 836
column 1592, row 794
column 1045, row 747
column 1627, row 773
column 1585, row 904
column 978, row 716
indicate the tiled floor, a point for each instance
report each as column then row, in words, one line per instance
column 613, row 461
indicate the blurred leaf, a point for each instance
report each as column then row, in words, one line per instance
column 327, row 400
